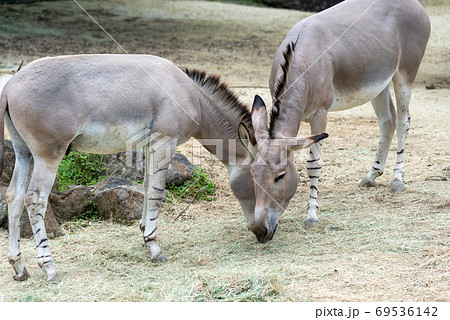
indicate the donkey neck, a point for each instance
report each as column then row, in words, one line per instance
column 221, row 112
column 290, row 106
column 300, row 92
column 219, row 132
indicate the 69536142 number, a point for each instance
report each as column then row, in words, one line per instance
column 406, row 311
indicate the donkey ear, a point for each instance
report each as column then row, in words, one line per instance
column 306, row 142
column 247, row 139
column 259, row 118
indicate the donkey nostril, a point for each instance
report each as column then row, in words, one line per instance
column 266, row 231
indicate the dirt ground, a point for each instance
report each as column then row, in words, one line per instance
column 370, row 245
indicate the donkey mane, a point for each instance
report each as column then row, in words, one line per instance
column 222, row 94
column 280, row 87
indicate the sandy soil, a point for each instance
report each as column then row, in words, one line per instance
column 239, row 42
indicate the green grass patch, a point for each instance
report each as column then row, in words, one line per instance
column 199, row 187
column 79, row 168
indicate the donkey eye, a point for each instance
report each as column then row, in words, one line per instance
column 280, row 176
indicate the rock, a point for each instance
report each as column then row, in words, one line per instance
column 180, row 170
column 3, row 220
column 70, row 203
column 8, row 164
column 111, row 183
column 118, row 199
column 130, row 165
column 3, row 208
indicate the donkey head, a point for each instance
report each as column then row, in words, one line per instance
column 274, row 173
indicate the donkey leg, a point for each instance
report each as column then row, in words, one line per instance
column 403, row 96
column 157, row 164
column 314, row 169
column 385, row 111
column 36, row 200
column 146, row 178
column 15, row 196
column 155, row 197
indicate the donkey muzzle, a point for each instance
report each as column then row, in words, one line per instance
column 265, row 226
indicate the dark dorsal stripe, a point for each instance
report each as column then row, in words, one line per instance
column 222, row 94
column 281, row 85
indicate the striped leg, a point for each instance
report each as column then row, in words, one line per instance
column 403, row 97
column 385, row 111
column 146, row 178
column 15, row 196
column 157, row 163
column 36, row 200
column 314, row 168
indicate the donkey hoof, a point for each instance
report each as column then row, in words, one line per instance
column 366, row 183
column 397, row 186
column 22, row 276
column 54, row 279
column 309, row 223
column 160, row 258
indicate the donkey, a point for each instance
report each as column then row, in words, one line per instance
column 335, row 60
column 99, row 104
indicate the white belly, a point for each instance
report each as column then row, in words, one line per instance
column 344, row 101
column 105, row 139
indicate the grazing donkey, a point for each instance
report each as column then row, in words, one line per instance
column 335, row 60
column 107, row 104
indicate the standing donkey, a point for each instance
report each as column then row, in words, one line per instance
column 99, row 104
column 335, row 60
